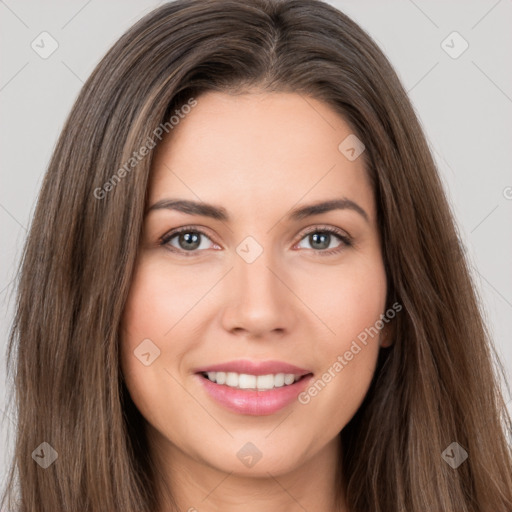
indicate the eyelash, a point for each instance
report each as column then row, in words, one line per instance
column 347, row 242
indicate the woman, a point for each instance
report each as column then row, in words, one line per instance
column 242, row 287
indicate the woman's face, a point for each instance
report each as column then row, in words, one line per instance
column 257, row 277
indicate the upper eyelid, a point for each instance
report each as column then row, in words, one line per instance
column 184, row 229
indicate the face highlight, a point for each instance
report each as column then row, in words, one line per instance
column 277, row 259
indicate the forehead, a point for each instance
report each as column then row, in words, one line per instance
column 258, row 150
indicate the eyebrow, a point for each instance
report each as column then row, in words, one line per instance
column 220, row 213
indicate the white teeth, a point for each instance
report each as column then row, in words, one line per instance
column 246, row 381
column 259, row 382
column 288, row 379
column 265, row 382
column 280, row 379
column 231, row 379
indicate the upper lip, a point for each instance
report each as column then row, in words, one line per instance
column 254, row 367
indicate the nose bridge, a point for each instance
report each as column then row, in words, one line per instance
column 255, row 273
column 260, row 302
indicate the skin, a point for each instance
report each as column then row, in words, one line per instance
column 258, row 155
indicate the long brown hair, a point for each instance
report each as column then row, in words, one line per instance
column 437, row 384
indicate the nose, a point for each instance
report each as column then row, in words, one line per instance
column 259, row 301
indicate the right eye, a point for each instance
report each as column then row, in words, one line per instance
column 185, row 240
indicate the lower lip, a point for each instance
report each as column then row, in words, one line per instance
column 253, row 402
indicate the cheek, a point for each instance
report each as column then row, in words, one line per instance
column 348, row 298
column 350, row 304
column 161, row 316
column 158, row 301
column 150, row 312
column 153, row 344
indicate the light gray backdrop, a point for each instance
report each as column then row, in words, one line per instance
column 463, row 97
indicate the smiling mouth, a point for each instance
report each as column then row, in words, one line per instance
column 248, row 382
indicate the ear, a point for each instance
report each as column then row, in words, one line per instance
column 387, row 335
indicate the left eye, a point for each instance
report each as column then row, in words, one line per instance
column 321, row 240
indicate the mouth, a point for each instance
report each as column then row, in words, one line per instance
column 256, row 389
column 245, row 381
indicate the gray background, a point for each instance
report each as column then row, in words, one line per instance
column 464, row 104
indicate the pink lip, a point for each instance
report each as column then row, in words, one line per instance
column 254, row 368
column 254, row 402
